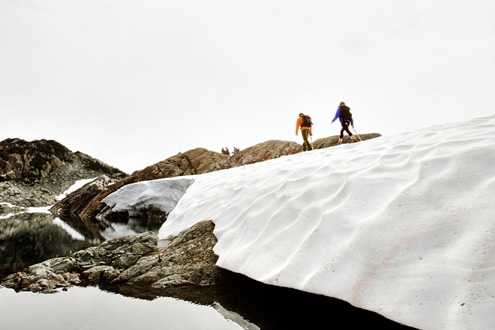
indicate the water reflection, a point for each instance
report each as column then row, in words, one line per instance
column 91, row 308
column 274, row 308
column 29, row 238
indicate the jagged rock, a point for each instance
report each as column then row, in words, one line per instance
column 30, row 161
column 132, row 260
column 97, row 274
column 18, row 196
column 35, row 173
column 188, row 259
column 41, row 278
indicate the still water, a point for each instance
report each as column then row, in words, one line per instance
column 92, row 308
column 31, row 237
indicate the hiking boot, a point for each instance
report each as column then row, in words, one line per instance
column 339, row 141
column 353, row 138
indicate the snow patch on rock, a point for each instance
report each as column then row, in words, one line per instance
column 162, row 194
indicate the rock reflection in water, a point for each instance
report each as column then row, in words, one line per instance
column 29, row 238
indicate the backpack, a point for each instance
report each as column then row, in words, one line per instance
column 345, row 113
column 307, row 122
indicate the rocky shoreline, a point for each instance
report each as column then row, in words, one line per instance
column 135, row 261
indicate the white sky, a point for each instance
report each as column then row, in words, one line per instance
column 135, row 82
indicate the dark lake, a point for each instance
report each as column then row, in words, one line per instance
column 30, row 238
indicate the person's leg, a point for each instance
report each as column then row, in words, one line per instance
column 309, row 145
column 341, row 136
column 345, row 126
column 306, row 145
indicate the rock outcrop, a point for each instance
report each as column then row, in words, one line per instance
column 331, row 141
column 34, row 173
column 31, row 161
column 260, row 152
column 135, row 261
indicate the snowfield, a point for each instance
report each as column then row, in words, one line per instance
column 400, row 225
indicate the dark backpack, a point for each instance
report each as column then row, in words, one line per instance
column 307, row 122
column 345, row 113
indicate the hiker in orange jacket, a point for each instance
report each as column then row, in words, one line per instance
column 304, row 123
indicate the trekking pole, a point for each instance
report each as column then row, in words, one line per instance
column 311, row 136
column 357, row 133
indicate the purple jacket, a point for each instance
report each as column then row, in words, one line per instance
column 337, row 115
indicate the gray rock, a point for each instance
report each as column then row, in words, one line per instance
column 186, row 260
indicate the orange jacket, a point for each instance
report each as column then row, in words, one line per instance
column 299, row 123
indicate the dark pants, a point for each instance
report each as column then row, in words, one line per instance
column 345, row 127
column 306, row 144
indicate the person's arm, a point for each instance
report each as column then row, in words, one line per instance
column 298, row 124
column 337, row 115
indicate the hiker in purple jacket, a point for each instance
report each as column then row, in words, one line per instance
column 345, row 116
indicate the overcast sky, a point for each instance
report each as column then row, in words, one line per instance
column 135, row 82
